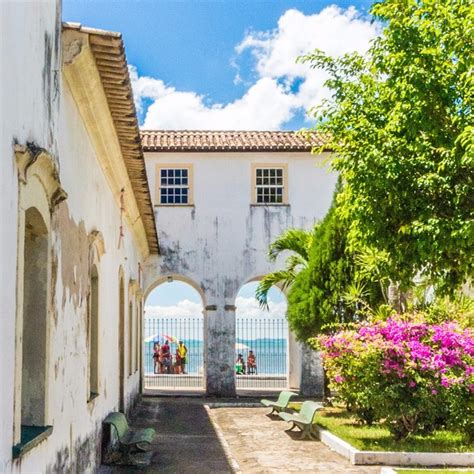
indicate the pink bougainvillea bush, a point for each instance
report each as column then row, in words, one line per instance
column 411, row 375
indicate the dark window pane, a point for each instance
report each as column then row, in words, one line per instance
column 184, row 181
column 177, row 181
column 184, row 199
column 259, row 181
column 279, row 191
column 272, row 172
column 177, row 199
column 164, row 200
column 184, row 192
column 171, row 173
column 279, row 172
column 177, row 173
column 259, row 172
column 184, row 173
column 163, row 181
column 163, row 173
column 279, row 199
column 163, row 192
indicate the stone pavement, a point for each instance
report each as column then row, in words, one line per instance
column 260, row 444
column 187, row 441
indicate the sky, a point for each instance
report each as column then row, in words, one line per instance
column 227, row 64
column 177, row 299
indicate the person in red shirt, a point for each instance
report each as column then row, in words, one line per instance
column 251, row 363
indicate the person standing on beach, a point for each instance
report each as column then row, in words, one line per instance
column 183, row 352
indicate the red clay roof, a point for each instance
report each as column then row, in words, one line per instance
column 209, row 141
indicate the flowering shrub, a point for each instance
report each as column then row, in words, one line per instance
column 412, row 375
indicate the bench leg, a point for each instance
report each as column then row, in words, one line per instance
column 307, row 430
column 292, row 428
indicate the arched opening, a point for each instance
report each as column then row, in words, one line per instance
column 130, row 338
column 93, row 345
column 121, row 341
column 173, row 337
column 35, row 322
column 261, row 340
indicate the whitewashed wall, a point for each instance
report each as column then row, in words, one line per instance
column 37, row 107
column 221, row 242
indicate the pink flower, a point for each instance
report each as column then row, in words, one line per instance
column 434, row 392
column 412, row 384
column 445, row 382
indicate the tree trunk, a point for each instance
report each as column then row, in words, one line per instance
column 394, row 299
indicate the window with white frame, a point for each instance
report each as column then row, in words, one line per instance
column 269, row 185
column 174, row 185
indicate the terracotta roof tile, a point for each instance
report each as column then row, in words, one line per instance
column 109, row 52
column 210, row 141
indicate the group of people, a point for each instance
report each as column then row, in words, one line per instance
column 250, row 368
column 167, row 363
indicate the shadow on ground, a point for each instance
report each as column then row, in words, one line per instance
column 186, row 441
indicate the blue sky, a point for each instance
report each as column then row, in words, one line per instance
column 192, row 73
column 170, row 294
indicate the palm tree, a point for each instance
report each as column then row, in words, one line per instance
column 296, row 241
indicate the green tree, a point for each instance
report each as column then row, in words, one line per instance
column 317, row 296
column 400, row 125
column 297, row 242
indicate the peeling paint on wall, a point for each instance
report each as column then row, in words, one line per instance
column 74, row 251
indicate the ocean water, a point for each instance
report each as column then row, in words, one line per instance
column 271, row 355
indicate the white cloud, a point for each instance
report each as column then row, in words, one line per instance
column 184, row 308
column 266, row 102
column 269, row 102
column 248, row 307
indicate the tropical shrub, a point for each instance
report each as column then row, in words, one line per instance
column 317, row 297
column 409, row 374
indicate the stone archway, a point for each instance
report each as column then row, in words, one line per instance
column 262, row 339
column 174, row 311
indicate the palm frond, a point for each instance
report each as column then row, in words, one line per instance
column 294, row 262
column 294, row 240
column 283, row 279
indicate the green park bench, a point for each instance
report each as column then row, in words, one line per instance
column 304, row 419
column 281, row 404
column 130, row 441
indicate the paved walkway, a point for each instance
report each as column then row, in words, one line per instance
column 260, row 444
column 187, row 441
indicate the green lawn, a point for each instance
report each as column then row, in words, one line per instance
column 377, row 438
column 432, row 471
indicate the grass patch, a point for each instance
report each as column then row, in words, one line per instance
column 377, row 438
column 432, row 471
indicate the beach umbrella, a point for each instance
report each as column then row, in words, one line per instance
column 171, row 338
column 156, row 338
column 240, row 347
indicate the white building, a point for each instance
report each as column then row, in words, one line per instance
column 76, row 225
column 78, row 240
column 220, row 198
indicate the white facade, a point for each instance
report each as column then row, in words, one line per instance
column 220, row 242
column 38, row 111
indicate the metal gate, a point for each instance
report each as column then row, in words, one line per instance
column 162, row 373
column 267, row 339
